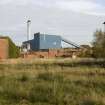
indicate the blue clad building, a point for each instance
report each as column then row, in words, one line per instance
column 44, row 42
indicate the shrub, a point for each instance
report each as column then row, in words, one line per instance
column 13, row 49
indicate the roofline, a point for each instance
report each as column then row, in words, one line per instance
column 45, row 34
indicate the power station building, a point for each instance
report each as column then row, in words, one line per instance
column 45, row 46
column 43, row 42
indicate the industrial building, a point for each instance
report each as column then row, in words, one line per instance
column 43, row 42
column 46, row 46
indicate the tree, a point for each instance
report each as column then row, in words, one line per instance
column 99, row 44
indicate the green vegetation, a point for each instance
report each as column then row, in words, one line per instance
column 52, row 82
column 13, row 49
column 99, row 44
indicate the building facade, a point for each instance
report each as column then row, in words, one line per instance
column 43, row 42
column 4, row 48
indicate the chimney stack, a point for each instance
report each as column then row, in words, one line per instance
column 28, row 30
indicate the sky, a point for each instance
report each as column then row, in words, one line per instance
column 75, row 20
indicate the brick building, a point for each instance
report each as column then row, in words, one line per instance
column 8, row 49
column 4, row 48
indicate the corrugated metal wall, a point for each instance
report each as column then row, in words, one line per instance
column 35, row 43
column 50, row 42
column 43, row 42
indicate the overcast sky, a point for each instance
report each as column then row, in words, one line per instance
column 75, row 20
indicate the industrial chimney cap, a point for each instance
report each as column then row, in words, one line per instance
column 38, row 33
column 28, row 21
column 103, row 22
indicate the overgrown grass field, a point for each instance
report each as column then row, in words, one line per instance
column 52, row 82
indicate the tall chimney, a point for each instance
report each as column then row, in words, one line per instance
column 28, row 30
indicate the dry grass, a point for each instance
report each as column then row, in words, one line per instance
column 52, row 82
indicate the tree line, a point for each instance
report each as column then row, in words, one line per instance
column 98, row 46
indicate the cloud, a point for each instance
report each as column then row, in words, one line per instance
column 3, row 2
column 52, row 17
column 90, row 7
column 82, row 6
column 26, row 2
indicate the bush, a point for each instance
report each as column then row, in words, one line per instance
column 13, row 49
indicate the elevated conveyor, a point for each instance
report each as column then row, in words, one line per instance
column 70, row 42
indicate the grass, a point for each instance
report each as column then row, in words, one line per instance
column 52, row 82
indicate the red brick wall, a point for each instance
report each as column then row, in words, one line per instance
column 4, row 48
column 52, row 53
